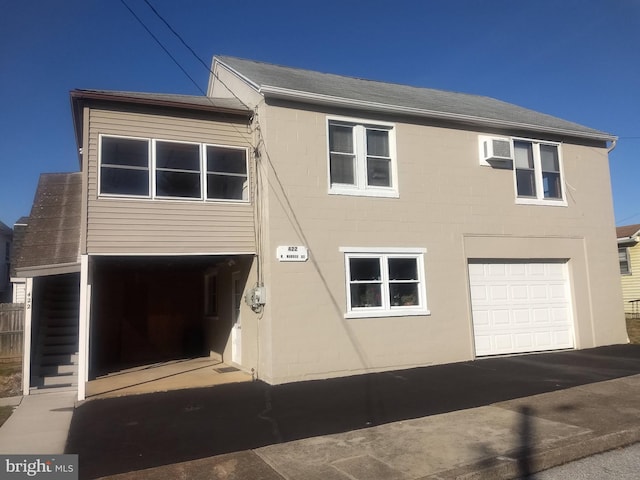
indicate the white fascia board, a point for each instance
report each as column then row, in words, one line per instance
column 288, row 94
column 245, row 79
column 629, row 240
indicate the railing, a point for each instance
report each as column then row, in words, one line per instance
column 635, row 309
column 11, row 331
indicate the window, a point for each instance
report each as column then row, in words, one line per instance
column 538, row 175
column 623, row 258
column 385, row 283
column 172, row 170
column 361, row 158
column 124, row 166
column 211, row 295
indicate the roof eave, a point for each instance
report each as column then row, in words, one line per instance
column 297, row 95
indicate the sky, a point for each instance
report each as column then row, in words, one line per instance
column 575, row 59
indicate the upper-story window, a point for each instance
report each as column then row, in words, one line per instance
column 623, row 259
column 362, row 158
column 152, row 168
column 538, row 172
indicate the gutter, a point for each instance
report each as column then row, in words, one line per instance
column 296, row 95
column 628, row 240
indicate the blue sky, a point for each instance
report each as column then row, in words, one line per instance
column 575, row 59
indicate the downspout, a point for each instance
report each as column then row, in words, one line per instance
column 614, row 142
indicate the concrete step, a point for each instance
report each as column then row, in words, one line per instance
column 59, row 381
column 53, row 370
column 58, row 389
column 58, row 359
column 69, row 348
column 61, row 330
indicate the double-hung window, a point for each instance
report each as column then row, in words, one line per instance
column 151, row 168
column 623, row 259
column 362, row 158
column 385, row 282
column 538, row 173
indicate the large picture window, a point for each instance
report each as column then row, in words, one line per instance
column 385, row 283
column 538, row 173
column 361, row 158
column 172, row 170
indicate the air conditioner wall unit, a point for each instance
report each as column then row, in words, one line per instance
column 495, row 151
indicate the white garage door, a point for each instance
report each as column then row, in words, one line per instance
column 520, row 307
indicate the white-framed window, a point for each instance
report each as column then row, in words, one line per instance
column 385, row 282
column 362, row 157
column 623, row 259
column 164, row 169
column 538, row 173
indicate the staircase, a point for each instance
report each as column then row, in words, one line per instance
column 55, row 363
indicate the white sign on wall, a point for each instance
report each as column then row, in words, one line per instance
column 292, row 253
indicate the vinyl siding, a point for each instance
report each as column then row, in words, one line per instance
column 631, row 283
column 129, row 226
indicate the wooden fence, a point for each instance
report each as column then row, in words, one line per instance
column 11, row 331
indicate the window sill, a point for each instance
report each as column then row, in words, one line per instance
column 386, row 193
column 387, row 313
column 535, row 201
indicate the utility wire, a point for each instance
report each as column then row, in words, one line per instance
column 162, row 46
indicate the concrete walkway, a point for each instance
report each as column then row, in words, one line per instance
column 39, row 424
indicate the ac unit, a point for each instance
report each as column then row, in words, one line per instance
column 495, row 151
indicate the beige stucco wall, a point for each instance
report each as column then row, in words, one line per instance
column 144, row 226
column 448, row 204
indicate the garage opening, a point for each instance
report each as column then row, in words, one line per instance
column 520, row 306
column 147, row 310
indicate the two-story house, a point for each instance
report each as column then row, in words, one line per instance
column 303, row 225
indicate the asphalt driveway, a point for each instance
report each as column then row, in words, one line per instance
column 132, row 433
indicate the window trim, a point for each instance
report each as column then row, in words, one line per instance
column 386, row 310
column 359, row 144
column 628, row 260
column 537, row 169
column 152, row 170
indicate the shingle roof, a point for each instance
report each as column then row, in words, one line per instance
column 276, row 80
column 52, row 236
column 627, row 231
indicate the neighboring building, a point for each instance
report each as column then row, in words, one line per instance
column 18, row 283
column 302, row 225
column 6, row 239
column 629, row 258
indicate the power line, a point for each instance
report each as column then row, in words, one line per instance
column 162, row 46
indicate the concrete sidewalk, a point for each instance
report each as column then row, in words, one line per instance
column 504, row 440
column 38, row 425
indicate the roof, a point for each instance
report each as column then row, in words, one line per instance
column 325, row 88
column 192, row 102
column 52, row 235
column 22, row 221
column 5, row 229
column 19, row 231
column 628, row 231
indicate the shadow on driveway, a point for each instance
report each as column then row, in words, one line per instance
column 132, row 433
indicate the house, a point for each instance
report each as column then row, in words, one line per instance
column 18, row 283
column 302, row 225
column 6, row 239
column 629, row 258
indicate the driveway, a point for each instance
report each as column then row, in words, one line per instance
column 131, row 433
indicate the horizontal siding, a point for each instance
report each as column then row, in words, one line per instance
column 142, row 226
column 631, row 283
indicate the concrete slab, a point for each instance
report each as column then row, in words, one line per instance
column 39, row 425
column 10, row 401
column 417, row 448
column 165, row 376
column 234, row 466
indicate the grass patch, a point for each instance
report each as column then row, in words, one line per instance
column 633, row 330
column 5, row 412
column 10, row 379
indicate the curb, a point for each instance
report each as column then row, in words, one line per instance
column 510, row 467
column 10, row 401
